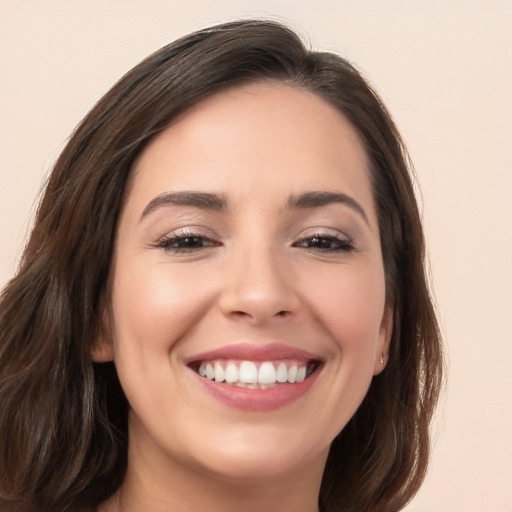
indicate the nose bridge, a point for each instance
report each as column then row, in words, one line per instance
column 259, row 285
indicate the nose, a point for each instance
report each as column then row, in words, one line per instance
column 259, row 289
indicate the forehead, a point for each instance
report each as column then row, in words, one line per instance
column 258, row 136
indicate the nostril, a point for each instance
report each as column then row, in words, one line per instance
column 256, row 317
column 241, row 313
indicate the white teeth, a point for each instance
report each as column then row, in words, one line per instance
column 248, row 372
column 282, row 373
column 251, row 386
column 292, row 374
column 231, row 373
column 219, row 372
column 267, row 373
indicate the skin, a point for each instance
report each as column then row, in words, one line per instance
column 256, row 275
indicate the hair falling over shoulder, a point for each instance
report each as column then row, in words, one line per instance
column 63, row 418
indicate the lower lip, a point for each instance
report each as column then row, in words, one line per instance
column 257, row 399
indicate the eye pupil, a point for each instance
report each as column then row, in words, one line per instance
column 191, row 241
column 321, row 243
column 326, row 244
column 186, row 243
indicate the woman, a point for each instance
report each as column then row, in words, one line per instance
column 223, row 302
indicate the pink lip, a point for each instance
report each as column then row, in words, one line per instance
column 254, row 352
column 256, row 399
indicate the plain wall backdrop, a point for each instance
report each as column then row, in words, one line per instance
column 444, row 69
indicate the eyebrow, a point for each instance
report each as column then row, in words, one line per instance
column 219, row 202
column 317, row 199
column 197, row 199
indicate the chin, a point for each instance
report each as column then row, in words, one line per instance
column 263, row 454
column 257, row 467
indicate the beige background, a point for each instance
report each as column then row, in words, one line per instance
column 445, row 70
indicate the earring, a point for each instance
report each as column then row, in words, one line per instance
column 382, row 358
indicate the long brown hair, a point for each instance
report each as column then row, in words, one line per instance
column 63, row 418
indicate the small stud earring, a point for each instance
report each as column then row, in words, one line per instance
column 382, row 358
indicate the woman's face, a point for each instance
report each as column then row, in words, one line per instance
column 248, row 296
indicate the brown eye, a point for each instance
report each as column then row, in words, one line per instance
column 186, row 243
column 326, row 243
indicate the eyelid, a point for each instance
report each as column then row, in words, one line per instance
column 323, row 231
column 190, row 230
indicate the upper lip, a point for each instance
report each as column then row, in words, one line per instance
column 254, row 352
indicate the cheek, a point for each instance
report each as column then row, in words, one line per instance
column 349, row 304
column 154, row 306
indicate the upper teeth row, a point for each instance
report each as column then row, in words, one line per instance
column 248, row 373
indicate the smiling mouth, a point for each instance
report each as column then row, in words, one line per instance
column 255, row 374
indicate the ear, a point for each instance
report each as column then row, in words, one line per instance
column 103, row 349
column 384, row 339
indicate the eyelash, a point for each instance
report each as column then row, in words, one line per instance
column 192, row 242
column 189, row 241
column 336, row 244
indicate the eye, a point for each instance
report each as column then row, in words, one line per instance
column 186, row 243
column 326, row 243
